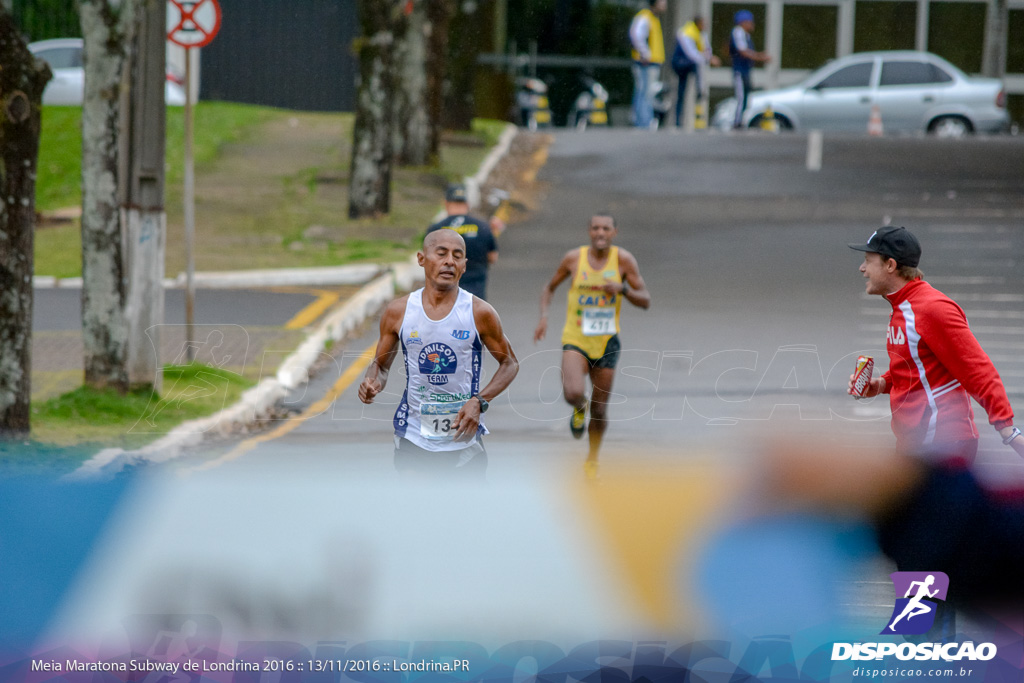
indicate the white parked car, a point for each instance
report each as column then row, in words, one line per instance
column 64, row 55
column 914, row 92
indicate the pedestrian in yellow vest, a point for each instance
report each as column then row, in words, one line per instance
column 691, row 55
column 648, row 56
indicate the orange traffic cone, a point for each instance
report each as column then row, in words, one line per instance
column 875, row 122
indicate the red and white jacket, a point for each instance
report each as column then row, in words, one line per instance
column 935, row 364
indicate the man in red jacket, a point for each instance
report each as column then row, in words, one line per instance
column 935, row 363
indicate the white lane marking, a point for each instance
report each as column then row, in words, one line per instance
column 975, row 229
column 953, row 245
column 967, row 280
column 994, row 298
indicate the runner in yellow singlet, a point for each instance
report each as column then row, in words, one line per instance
column 601, row 277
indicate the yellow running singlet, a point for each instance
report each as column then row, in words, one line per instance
column 592, row 317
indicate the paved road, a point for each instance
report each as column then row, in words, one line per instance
column 61, row 309
column 758, row 313
column 758, row 307
column 235, row 329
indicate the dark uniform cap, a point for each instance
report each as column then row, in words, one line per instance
column 743, row 15
column 456, row 192
column 895, row 243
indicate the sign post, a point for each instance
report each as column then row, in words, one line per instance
column 191, row 24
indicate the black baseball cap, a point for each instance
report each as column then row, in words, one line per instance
column 456, row 192
column 893, row 242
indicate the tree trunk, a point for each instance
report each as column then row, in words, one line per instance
column 107, row 27
column 22, row 79
column 459, row 101
column 439, row 19
column 412, row 124
column 370, row 179
column 993, row 61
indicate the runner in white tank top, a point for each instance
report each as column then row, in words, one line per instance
column 442, row 366
column 442, row 330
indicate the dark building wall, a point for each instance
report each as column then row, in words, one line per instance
column 295, row 54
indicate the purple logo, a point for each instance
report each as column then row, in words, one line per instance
column 917, row 594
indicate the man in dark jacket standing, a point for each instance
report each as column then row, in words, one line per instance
column 481, row 245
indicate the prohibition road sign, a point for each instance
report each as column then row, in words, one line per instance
column 192, row 23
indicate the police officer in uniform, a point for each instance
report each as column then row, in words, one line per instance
column 481, row 242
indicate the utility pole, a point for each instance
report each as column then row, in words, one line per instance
column 144, row 120
column 993, row 62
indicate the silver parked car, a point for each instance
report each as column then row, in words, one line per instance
column 64, row 55
column 914, row 92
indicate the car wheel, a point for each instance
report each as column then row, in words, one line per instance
column 950, row 127
column 782, row 121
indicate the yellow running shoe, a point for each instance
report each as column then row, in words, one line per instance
column 576, row 422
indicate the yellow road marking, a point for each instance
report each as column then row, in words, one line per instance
column 503, row 212
column 540, row 157
column 307, row 315
column 347, row 378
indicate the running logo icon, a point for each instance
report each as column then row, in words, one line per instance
column 914, row 612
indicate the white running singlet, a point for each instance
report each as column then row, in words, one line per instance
column 442, row 366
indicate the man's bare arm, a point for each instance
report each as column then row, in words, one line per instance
column 488, row 324
column 636, row 292
column 563, row 271
column 376, row 376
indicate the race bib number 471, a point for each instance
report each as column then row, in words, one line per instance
column 598, row 321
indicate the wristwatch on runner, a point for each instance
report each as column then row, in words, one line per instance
column 484, row 405
column 1006, row 442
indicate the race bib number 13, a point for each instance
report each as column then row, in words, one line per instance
column 598, row 321
column 437, row 420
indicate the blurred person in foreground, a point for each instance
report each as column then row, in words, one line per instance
column 481, row 238
column 935, row 363
column 926, row 517
column 442, row 330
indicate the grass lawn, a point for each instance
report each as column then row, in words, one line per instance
column 107, row 418
column 271, row 190
column 71, row 428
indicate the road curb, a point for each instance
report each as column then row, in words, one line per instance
column 329, row 276
column 258, row 401
column 500, row 150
